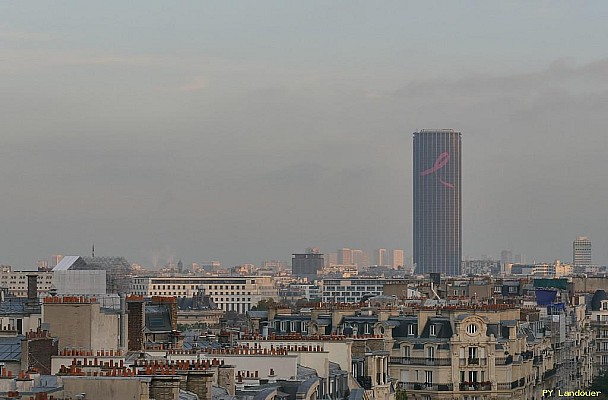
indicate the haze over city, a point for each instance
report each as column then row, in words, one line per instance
column 248, row 131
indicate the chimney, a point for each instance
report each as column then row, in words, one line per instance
column 32, row 287
column 136, row 323
column 200, row 383
column 123, row 322
column 164, row 387
column 225, row 378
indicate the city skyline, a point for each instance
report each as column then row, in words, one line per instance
column 245, row 132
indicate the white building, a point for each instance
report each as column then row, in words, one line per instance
column 80, row 282
column 16, row 281
column 230, row 293
column 350, row 290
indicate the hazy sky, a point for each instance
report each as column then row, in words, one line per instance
column 247, row 130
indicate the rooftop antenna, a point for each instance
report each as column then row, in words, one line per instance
column 93, row 251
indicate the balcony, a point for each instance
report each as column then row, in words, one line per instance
column 504, row 360
column 549, row 373
column 421, row 361
column 436, row 387
column 511, row 385
column 473, row 361
column 475, row 386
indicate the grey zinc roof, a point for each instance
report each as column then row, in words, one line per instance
column 65, row 263
column 13, row 305
column 357, row 394
column 185, row 395
column 10, row 348
column 305, row 372
column 257, row 314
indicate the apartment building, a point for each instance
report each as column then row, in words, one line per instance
column 350, row 290
column 15, row 282
column 470, row 352
column 230, row 293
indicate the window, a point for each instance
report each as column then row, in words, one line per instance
column 303, row 327
column 433, row 330
column 428, row 377
column 407, row 352
column 283, row 326
column 410, row 329
column 471, row 329
column 294, row 326
column 473, row 355
column 367, row 330
column 430, row 353
column 472, row 376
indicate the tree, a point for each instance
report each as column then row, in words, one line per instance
column 600, row 384
column 264, row 305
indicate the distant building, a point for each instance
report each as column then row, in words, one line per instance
column 307, row 264
column 274, row 265
column 345, row 256
column 231, row 293
column 350, row 290
column 381, row 257
column 118, row 270
column 506, row 258
column 480, row 267
column 55, row 259
column 15, row 282
column 210, row 266
column 581, row 254
column 360, row 258
column 437, row 202
column 331, row 259
column 398, row 259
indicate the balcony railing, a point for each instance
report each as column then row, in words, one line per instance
column 503, row 360
column 437, row 387
column 473, row 361
column 421, row 361
column 549, row 373
column 510, row 385
column 476, row 386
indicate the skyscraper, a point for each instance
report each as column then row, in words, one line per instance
column 437, row 202
column 398, row 259
column 380, row 257
column 307, row 264
column 360, row 258
column 581, row 254
column 345, row 256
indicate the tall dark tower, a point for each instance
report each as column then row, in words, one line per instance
column 437, row 202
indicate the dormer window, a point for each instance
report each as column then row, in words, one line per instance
column 294, row 326
column 433, row 330
column 367, row 330
column 410, row 330
column 472, row 329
